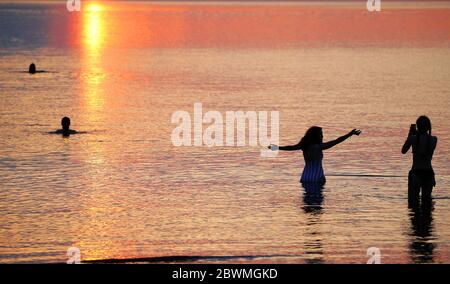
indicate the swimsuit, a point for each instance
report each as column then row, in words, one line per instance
column 313, row 172
column 422, row 176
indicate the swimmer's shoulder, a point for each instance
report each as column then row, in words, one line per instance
column 71, row 131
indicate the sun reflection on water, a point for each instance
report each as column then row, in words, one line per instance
column 93, row 81
column 93, row 35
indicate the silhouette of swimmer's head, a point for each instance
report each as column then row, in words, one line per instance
column 313, row 135
column 65, row 123
column 32, row 68
column 423, row 124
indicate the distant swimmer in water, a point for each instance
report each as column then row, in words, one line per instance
column 32, row 69
column 65, row 131
column 312, row 146
column 421, row 176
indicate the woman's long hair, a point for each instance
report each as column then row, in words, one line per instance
column 423, row 127
column 312, row 136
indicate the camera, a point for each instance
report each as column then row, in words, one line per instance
column 412, row 129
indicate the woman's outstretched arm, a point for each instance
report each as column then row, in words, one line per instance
column 286, row 148
column 330, row 144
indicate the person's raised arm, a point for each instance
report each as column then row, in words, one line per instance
column 330, row 144
column 407, row 144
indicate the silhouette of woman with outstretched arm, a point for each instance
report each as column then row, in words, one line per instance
column 421, row 176
column 312, row 146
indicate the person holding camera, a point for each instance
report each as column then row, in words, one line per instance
column 421, row 179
